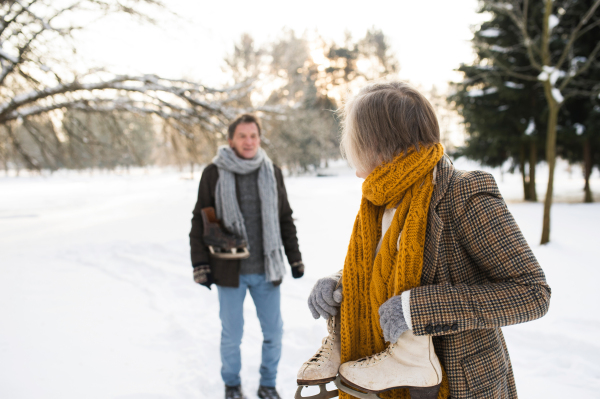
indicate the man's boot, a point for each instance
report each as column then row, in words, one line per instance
column 221, row 243
column 323, row 366
column 265, row 392
column 234, row 392
column 409, row 363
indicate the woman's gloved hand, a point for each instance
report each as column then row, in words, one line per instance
column 391, row 319
column 325, row 299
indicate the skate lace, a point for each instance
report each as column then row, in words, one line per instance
column 323, row 352
column 326, row 345
column 368, row 360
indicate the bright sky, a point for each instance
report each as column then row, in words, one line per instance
column 429, row 37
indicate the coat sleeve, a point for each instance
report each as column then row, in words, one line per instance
column 206, row 198
column 516, row 290
column 286, row 222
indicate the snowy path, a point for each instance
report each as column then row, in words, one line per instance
column 97, row 299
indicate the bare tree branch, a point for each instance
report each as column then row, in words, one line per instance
column 574, row 33
column 519, row 18
column 585, row 67
column 31, row 163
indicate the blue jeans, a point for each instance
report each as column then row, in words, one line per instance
column 266, row 298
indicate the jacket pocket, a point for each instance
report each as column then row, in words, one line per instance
column 485, row 368
column 226, row 272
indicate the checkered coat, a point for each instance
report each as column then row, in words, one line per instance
column 479, row 274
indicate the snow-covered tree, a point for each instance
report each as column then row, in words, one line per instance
column 38, row 80
column 503, row 116
column 554, row 58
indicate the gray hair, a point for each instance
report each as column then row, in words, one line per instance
column 384, row 120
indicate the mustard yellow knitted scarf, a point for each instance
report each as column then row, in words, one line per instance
column 369, row 280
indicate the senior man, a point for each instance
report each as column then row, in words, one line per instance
column 249, row 196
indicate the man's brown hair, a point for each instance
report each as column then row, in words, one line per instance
column 245, row 118
column 383, row 120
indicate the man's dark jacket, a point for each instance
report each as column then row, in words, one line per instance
column 227, row 272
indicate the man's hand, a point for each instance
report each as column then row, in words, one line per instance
column 297, row 269
column 324, row 299
column 203, row 276
column 391, row 319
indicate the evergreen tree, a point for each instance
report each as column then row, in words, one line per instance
column 579, row 138
column 554, row 39
column 578, row 130
column 503, row 116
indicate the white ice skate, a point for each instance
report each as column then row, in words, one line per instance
column 409, row 363
column 323, row 366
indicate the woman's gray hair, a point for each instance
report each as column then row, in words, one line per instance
column 383, row 120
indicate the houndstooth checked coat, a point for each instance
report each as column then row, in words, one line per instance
column 479, row 274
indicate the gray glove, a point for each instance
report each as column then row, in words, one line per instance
column 391, row 319
column 324, row 299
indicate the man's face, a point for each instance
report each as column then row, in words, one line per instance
column 246, row 140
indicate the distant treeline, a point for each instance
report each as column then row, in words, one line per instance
column 53, row 116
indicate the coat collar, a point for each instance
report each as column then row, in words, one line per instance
column 444, row 172
column 445, row 168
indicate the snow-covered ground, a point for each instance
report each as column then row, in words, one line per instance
column 97, row 298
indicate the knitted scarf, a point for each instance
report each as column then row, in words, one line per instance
column 371, row 280
column 228, row 209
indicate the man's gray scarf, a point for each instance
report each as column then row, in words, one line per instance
column 228, row 209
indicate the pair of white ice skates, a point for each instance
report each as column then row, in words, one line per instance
column 410, row 363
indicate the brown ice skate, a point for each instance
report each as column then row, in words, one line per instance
column 221, row 243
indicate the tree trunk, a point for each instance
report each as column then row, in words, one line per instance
column 587, row 170
column 553, row 108
column 523, row 174
column 532, row 163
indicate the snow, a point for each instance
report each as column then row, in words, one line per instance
column 530, row 127
column 575, row 65
column 97, row 297
column 553, row 21
column 558, row 97
column 550, row 73
column 490, row 32
column 479, row 92
column 499, row 49
column 514, row 85
column 506, row 6
column 8, row 56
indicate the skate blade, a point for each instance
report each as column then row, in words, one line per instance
column 352, row 391
column 233, row 254
column 415, row 392
column 323, row 394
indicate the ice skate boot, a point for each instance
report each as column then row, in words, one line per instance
column 409, row 363
column 323, row 366
column 221, row 243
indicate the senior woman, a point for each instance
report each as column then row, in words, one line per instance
column 435, row 266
